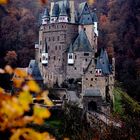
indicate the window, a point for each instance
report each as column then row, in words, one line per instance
column 86, row 54
column 75, row 57
column 86, row 78
column 59, row 47
column 70, row 56
column 90, row 85
column 86, row 59
column 75, row 68
column 53, row 39
column 100, row 71
column 91, row 72
column 91, row 79
column 54, row 57
column 55, row 47
column 58, row 38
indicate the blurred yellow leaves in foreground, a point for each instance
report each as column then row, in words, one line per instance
column 4, row 1
column 14, row 110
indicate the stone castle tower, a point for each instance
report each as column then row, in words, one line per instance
column 67, row 46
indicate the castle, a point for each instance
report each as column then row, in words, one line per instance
column 67, row 49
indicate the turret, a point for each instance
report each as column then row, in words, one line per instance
column 63, row 17
column 70, row 55
column 55, row 13
column 45, row 17
column 102, row 65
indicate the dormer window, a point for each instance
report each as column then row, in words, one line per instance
column 70, row 56
column 98, row 72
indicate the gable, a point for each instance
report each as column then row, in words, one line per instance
column 82, row 43
column 86, row 19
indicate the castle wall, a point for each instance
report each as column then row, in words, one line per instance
column 90, row 81
column 58, row 37
column 81, row 61
column 89, row 29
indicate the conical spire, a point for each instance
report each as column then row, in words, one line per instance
column 55, row 10
column 82, row 43
column 70, row 49
column 63, row 11
column 103, row 62
column 46, row 13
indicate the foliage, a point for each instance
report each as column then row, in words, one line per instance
column 130, row 111
column 75, row 125
column 15, row 111
column 119, row 33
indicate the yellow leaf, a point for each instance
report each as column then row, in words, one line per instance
column 48, row 101
column 1, row 90
column 33, row 86
column 8, row 69
column 91, row 1
column 2, row 71
column 20, row 73
column 18, row 82
column 4, row 1
column 25, row 98
column 41, row 112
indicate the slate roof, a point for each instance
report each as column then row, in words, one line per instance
column 103, row 62
column 46, row 13
column 86, row 19
column 55, row 10
column 33, row 70
column 81, row 7
column 63, row 10
column 92, row 92
column 82, row 43
column 85, row 16
column 70, row 49
column 94, row 17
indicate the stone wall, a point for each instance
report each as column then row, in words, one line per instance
column 81, row 61
column 58, row 37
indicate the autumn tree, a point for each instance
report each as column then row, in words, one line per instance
column 11, row 58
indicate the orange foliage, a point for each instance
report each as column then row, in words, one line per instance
column 14, row 108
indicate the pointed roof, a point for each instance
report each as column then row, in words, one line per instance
column 103, row 62
column 55, row 10
column 63, row 10
column 81, row 7
column 94, row 17
column 46, row 13
column 33, row 70
column 82, row 43
column 85, row 16
column 70, row 49
column 92, row 92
